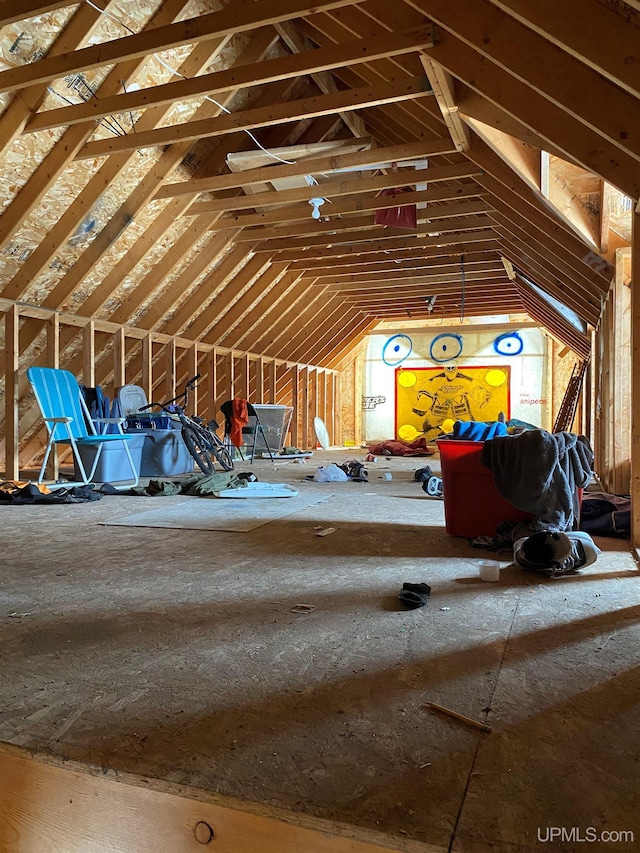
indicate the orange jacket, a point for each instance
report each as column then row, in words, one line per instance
column 239, row 419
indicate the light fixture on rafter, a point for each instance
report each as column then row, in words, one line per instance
column 316, row 204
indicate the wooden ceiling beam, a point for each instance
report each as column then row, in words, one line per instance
column 326, row 28
column 477, row 111
column 447, row 305
column 351, row 99
column 417, row 276
column 511, row 190
column 361, row 188
column 400, row 291
column 227, row 292
column 407, row 281
column 340, row 326
column 444, row 244
column 450, row 309
column 288, row 322
column 310, row 232
column 236, row 309
column 231, row 265
column 22, row 108
column 354, row 229
column 59, row 157
column 12, row 11
column 533, row 168
column 365, row 232
column 554, row 286
column 362, row 182
column 361, row 203
column 309, row 166
column 556, row 256
column 324, row 80
column 443, row 88
column 313, row 327
column 588, row 30
column 488, row 292
column 485, row 292
column 512, row 233
column 152, row 300
column 474, row 252
column 552, row 123
column 412, row 262
column 141, row 194
column 237, row 78
column 275, row 305
column 519, row 156
column 555, row 75
column 403, row 121
column 239, row 17
column 386, row 128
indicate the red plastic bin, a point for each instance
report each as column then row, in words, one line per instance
column 472, row 504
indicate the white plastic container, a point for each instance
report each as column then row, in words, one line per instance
column 489, row 570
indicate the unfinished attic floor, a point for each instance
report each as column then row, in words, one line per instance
column 176, row 654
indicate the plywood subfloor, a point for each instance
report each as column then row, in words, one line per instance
column 176, row 654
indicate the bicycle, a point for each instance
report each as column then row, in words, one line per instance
column 199, row 435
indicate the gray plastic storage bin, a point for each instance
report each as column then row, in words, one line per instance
column 164, row 453
column 275, row 422
column 113, row 465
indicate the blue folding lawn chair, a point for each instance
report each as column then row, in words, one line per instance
column 67, row 418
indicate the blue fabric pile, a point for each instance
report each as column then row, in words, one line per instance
column 478, row 431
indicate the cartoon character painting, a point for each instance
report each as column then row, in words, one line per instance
column 446, row 395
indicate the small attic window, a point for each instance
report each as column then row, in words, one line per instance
column 570, row 316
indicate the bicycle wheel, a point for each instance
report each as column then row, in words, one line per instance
column 221, row 453
column 198, row 449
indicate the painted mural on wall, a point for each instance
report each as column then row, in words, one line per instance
column 430, row 399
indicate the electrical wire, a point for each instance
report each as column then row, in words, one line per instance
column 133, row 121
column 109, row 122
column 179, row 74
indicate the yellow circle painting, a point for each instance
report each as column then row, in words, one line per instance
column 407, row 379
column 496, row 378
column 407, row 432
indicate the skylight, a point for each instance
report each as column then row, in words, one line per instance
column 570, row 316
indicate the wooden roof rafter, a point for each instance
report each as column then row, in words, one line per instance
column 338, row 51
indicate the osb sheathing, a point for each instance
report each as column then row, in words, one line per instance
column 30, row 150
column 196, row 285
column 26, row 41
column 347, row 408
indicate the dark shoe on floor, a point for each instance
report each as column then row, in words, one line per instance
column 412, row 599
column 420, row 588
column 415, row 594
column 422, row 474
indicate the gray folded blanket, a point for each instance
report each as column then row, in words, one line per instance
column 540, row 472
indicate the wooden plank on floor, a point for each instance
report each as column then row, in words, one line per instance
column 91, row 810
